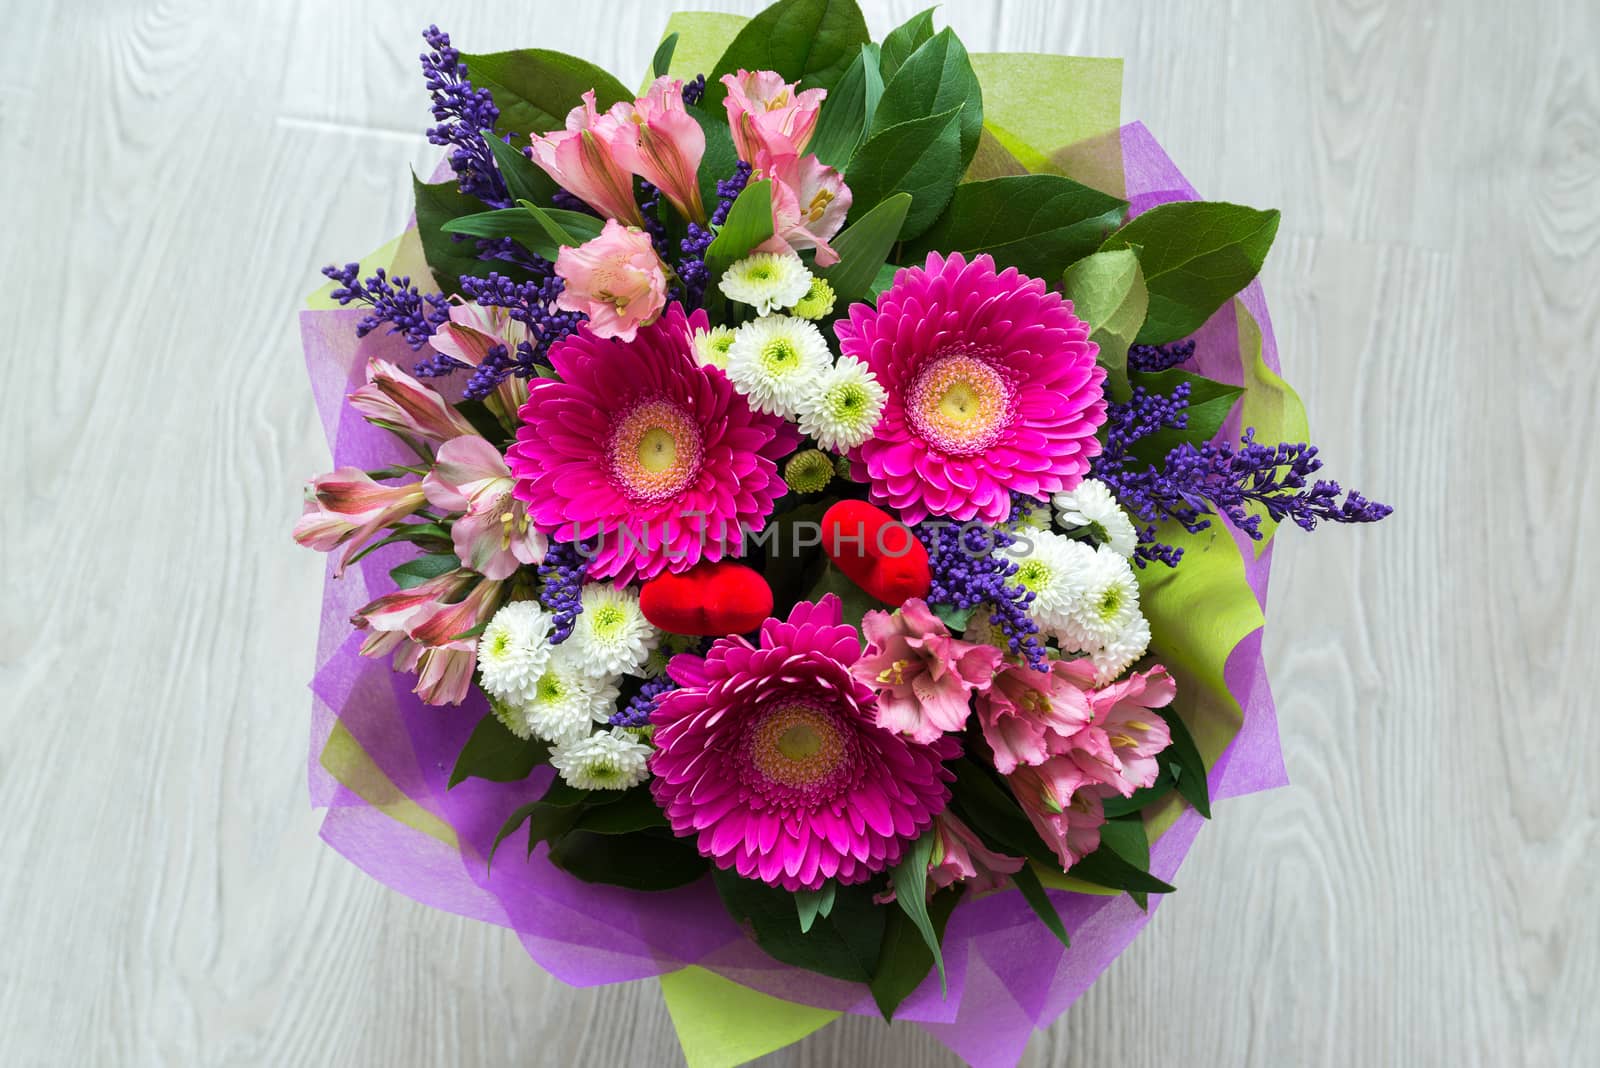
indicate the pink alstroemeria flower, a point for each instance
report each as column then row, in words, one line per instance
column 617, row 280
column 1063, row 804
column 809, row 205
column 422, row 627
column 493, row 537
column 391, row 398
column 959, row 856
column 767, row 116
column 923, row 675
column 346, row 507
column 1024, row 709
column 583, row 160
column 663, row 144
column 1119, row 744
column 473, row 330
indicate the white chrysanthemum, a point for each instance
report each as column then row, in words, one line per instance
column 565, row 701
column 767, row 281
column 1117, row 655
column 514, row 649
column 611, row 634
column 774, row 361
column 1092, row 505
column 842, row 407
column 1105, row 601
column 1054, row 569
column 610, row 760
column 711, row 346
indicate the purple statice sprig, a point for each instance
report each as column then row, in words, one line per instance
column 971, row 570
column 1194, row 483
column 636, row 713
column 1153, row 359
column 692, row 270
column 393, row 301
column 462, row 112
column 561, row 578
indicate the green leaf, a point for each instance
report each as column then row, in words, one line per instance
column 1126, row 838
column 936, row 77
column 1107, row 291
column 1122, row 806
column 1210, row 402
column 415, row 572
column 749, row 223
column 1037, row 223
column 436, row 205
column 905, row 39
column 1105, row 867
column 991, row 811
column 883, row 279
column 954, row 618
column 642, row 860
column 492, row 752
column 525, row 180
column 535, row 88
column 830, row 891
column 1034, row 894
column 563, row 227
column 1186, row 766
column 863, row 247
column 910, row 878
column 807, row 41
column 848, row 111
column 1195, row 254
column 632, row 810
column 721, row 158
column 921, row 157
column 903, row 958
column 844, row 944
column 429, row 536
column 662, row 61
column 509, row 827
column 808, row 905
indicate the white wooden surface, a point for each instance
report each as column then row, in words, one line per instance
column 1426, row 893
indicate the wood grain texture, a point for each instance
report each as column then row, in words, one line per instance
column 1426, row 893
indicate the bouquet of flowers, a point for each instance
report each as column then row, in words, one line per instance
column 800, row 530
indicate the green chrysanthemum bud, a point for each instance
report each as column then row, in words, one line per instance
column 809, row 471
column 818, row 301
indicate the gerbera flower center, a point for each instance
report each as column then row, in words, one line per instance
column 960, row 404
column 655, row 451
column 797, row 749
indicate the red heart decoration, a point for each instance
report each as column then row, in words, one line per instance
column 876, row 551
column 713, row 597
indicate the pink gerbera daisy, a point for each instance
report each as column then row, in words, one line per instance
column 638, row 445
column 993, row 388
column 772, row 757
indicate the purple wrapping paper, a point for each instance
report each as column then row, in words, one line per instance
column 389, row 811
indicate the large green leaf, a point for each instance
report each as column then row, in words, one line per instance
column 905, row 39
column 921, row 157
column 641, row 860
column 448, row 258
column 903, row 958
column 863, row 249
column 539, row 230
column 1210, row 402
column 749, row 223
column 1106, row 867
column 492, row 752
column 992, row 812
column 1184, row 765
column 525, row 180
column 1037, row 223
column 631, row 810
column 415, row 572
column 807, row 41
column 721, row 159
column 1033, row 893
column 936, row 77
column 661, row 62
column 1126, row 838
column 1107, row 291
column 910, row 877
column 1195, row 254
column 848, row 111
column 844, row 944
column 534, row 88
